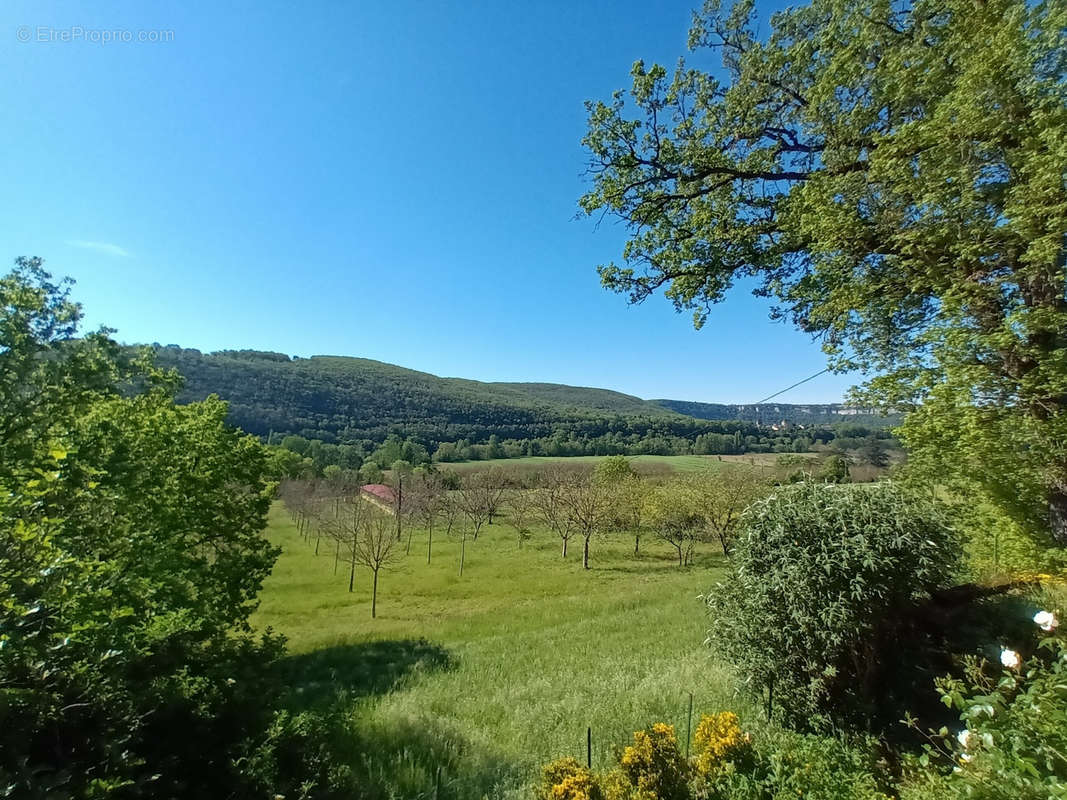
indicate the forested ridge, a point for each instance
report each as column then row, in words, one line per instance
column 769, row 413
column 342, row 399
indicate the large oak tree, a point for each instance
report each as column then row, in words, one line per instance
column 892, row 175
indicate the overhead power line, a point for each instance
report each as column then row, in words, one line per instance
column 795, row 385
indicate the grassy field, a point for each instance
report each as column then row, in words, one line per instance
column 679, row 463
column 491, row 674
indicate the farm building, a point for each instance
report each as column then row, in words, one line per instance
column 379, row 493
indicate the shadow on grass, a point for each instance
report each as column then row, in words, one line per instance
column 352, row 671
column 426, row 757
column 386, row 756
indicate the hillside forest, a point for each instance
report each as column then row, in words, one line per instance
column 343, row 412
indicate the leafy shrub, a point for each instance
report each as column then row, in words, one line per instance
column 1014, row 743
column 834, row 470
column 131, row 554
column 719, row 741
column 786, row 764
column 566, row 779
column 295, row 758
column 729, row 764
column 820, row 589
column 652, row 767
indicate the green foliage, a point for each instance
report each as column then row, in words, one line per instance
column 670, row 511
column 346, row 408
column 371, row 473
column 614, row 470
column 652, row 768
column 728, row 764
column 892, row 176
column 874, row 452
column 353, row 400
column 784, row 764
column 131, row 555
column 998, row 544
column 566, row 779
column 834, row 470
column 820, row 579
column 1014, row 743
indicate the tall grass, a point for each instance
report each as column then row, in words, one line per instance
column 490, row 675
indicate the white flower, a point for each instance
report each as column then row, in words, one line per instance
column 965, row 757
column 1046, row 620
column 230, row 681
column 1009, row 658
column 964, row 737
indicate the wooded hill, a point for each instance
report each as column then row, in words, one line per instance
column 339, row 399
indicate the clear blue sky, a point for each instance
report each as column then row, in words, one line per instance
column 392, row 180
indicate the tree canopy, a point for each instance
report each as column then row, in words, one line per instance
column 891, row 174
column 131, row 553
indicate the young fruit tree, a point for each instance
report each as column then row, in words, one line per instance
column 626, row 488
column 376, row 547
column 521, row 509
column 720, row 497
column 551, row 505
column 474, row 502
column 401, row 477
column 588, row 504
column 425, row 498
column 344, row 528
column 670, row 512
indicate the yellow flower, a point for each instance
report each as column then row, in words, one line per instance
column 652, row 765
column 719, row 739
column 566, row 779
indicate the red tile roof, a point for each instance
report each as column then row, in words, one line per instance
column 381, row 491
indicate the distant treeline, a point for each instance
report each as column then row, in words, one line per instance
column 313, row 456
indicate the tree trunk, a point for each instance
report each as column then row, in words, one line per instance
column 637, row 544
column 565, row 548
column 585, row 553
column 374, row 597
column 462, row 553
column 318, row 538
column 336, row 556
column 352, row 575
column 1057, row 515
column 429, row 545
column 407, row 550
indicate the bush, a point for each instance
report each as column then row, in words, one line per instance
column 131, row 554
column 1013, row 745
column 824, row 584
column 566, row 779
column 719, row 742
column 652, row 767
column 787, row 764
column 729, row 764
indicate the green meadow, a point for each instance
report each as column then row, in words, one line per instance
column 463, row 686
column 678, row 463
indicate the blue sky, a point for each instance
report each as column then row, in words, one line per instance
column 393, row 180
